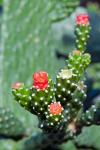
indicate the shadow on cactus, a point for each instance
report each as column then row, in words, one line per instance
column 59, row 105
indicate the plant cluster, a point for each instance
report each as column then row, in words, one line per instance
column 59, row 105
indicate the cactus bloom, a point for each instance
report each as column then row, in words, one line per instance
column 17, row 85
column 76, row 52
column 40, row 80
column 66, row 73
column 82, row 19
column 55, row 108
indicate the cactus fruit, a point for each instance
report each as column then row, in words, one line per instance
column 10, row 126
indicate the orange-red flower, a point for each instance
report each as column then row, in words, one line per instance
column 40, row 80
column 55, row 108
column 76, row 52
column 82, row 19
column 17, row 85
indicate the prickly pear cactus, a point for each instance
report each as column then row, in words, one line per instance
column 9, row 124
column 62, row 9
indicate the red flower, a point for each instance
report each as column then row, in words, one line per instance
column 82, row 19
column 76, row 52
column 40, row 80
column 17, row 85
column 55, row 108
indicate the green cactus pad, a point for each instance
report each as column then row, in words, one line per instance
column 9, row 124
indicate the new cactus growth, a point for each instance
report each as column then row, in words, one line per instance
column 59, row 105
column 78, row 61
column 82, row 31
column 22, row 95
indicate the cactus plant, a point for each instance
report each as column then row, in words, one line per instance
column 59, row 105
column 34, row 37
column 9, row 124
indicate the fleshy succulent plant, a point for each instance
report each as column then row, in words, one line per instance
column 59, row 105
